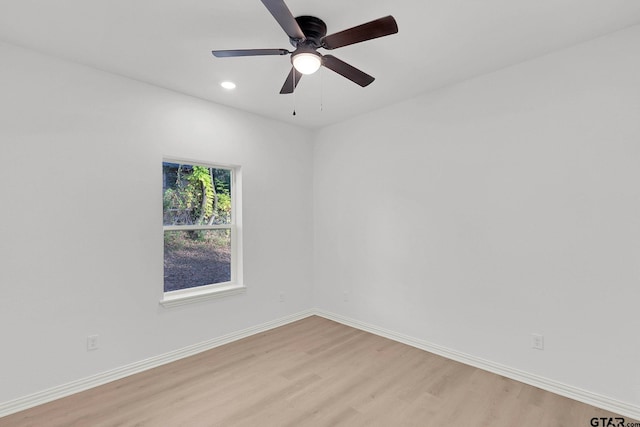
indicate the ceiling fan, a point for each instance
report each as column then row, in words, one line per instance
column 307, row 34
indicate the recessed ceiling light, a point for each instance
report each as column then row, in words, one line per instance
column 228, row 85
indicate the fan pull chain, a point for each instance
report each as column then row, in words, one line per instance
column 321, row 88
column 294, row 92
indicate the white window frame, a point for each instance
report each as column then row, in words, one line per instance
column 216, row 290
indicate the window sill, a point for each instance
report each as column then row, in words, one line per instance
column 176, row 298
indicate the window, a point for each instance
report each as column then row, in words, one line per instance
column 200, row 221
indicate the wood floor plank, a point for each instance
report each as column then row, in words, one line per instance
column 313, row 372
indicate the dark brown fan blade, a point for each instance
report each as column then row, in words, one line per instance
column 283, row 15
column 346, row 70
column 292, row 81
column 371, row 30
column 248, row 52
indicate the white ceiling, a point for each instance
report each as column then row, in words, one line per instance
column 168, row 43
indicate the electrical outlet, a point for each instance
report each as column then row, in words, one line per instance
column 281, row 296
column 92, row 342
column 345, row 296
column 537, row 341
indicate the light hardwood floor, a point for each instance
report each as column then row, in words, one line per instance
column 313, row 372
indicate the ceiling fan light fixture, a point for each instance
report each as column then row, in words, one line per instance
column 309, row 33
column 307, row 62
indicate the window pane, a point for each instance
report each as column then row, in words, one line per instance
column 195, row 195
column 196, row 258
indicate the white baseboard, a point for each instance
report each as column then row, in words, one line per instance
column 83, row 384
column 607, row 403
column 613, row 405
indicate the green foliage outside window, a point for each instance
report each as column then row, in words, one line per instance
column 196, row 195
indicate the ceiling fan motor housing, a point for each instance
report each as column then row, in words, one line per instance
column 314, row 30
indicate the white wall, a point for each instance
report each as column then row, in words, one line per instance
column 81, row 222
column 509, row 204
